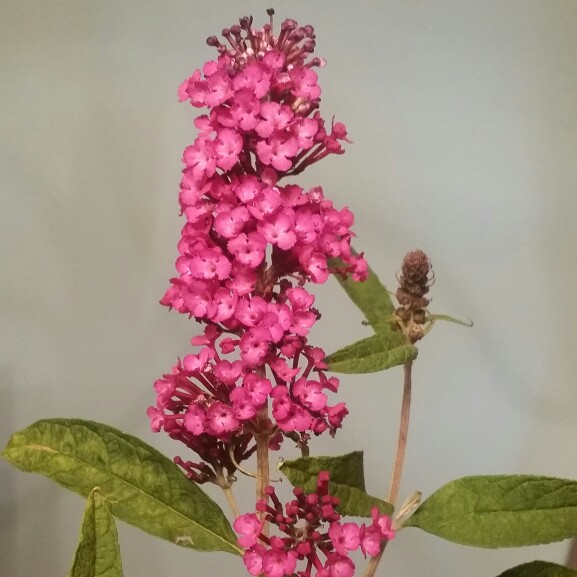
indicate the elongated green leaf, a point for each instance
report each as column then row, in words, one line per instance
column 97, row 554
column 347, row 481
column 370, row 296
column 385, row 349
column 375, row 353
column 501, row 511
column 450, row 319
column 539, row 569
column 143, row 487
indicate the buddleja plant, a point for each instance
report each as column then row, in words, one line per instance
column 252, row 242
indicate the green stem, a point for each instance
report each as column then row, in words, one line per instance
column 572, row 555
column 231, row 501
column 226, row 486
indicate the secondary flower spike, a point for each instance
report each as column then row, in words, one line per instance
column 414, row 283
column 313, row 535
column 250, row 244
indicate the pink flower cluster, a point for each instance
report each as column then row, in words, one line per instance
column 248, row 247
column 303, row 523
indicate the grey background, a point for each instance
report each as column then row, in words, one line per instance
column 464, row 121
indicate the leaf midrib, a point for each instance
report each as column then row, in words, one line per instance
column 35, row 446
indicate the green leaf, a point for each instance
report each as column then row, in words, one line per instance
column 376, row 353
column 539, row 569
column 501, row 511
column 143, row 487
column 347, row 481
column 372, row 298
column 385, row 349
column 97, row 554
column 450, row 319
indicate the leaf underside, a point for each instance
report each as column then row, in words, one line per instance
column 98, row 553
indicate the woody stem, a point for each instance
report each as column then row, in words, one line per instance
column 399, row 459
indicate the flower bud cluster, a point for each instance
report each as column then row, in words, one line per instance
column 247, row 249
column 414, row 283
column 314, row 542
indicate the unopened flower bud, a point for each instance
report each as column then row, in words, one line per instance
column 414, row 283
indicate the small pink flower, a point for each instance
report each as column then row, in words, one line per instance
column 340, row 566
column 370, row 541
column 277, row 321
column 244, row 112
column 384, row 523
column 194, row 419
column 244, row 409
column 281, row 368
column 227, row 147
column 211, row 333
column 248, row 249
column 278, row 563
column 197, row 301
column 218, row 89
column 305, row 130
column 220, row 419
column 278, row 151
column 374, row 535
column 250, row 311
column 279, row 229
column 310, row 394
column 266, row 203
column 316, row 266
column 230, row 223
column 305, row 83
column 196, row 363
column 361, row 269
column 281, row 402
column 250, row 527
column 253, row 560
column 199, row 158
column 303, row 322
column 274, row 116
column 227, row 372
column 317, row 356
column 256, row 388
column 247, row 187
column 210, row 263
column 254, row 346
column 224, row 301
column 345, row 537
column 242, row 280
column 307, row 226
column 336, row 414
column 254, row 78
column 156, row 418
column 228, row 345
column 183, row 88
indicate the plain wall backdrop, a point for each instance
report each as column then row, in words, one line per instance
column 464, row 121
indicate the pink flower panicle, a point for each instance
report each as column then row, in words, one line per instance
column 313, row 536
column 248, row 247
